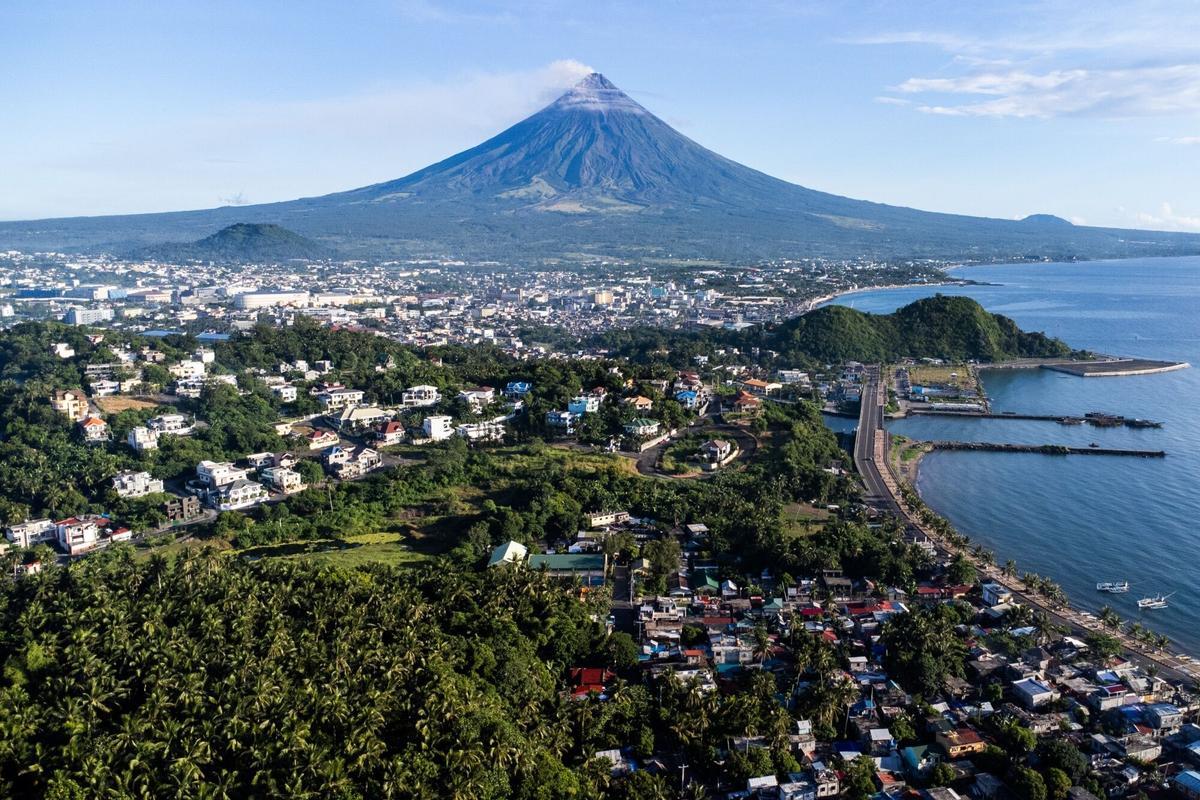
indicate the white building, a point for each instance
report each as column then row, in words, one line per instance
column 177, row 424
column 142, row 439
column 204, row 355
column 253, row 300
column 187, row 369
column 1033, row 693
column 438, row 427
column 71, row 402
column 478, row 397
column 240, row 493
column 337, row 399
column 136, row 484
column 420, row 397
column 286, row 393
column 482, row 431
column 76, row 535
column 219, row 473
column 78, row 315
column 284, row 479
column 30, row 532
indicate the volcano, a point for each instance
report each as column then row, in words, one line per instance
column 596, row 175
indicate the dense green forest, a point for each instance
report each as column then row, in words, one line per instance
column 951, row 328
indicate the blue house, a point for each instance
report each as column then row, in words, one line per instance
column 687, row 398
column 518, row 388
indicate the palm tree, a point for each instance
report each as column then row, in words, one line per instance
column 1109, row 617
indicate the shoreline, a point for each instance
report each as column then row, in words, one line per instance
column 826, row 299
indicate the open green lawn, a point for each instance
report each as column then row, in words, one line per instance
column 354, row 551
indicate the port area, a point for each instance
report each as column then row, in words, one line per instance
column 1097, row 419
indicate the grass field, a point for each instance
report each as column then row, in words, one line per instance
column 348, row 553
column 951, row 375
column 115, row 404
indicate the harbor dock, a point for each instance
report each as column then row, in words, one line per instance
column 1047, row 449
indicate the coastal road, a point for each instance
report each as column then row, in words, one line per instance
column 883, row 493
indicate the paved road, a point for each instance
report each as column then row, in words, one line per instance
column 882, row 493
column 747, row 445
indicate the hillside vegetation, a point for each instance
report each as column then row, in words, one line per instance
column 952, row 328
column 243, row 241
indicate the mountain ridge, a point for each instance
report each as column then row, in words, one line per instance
column 241, row 242
column 595, row 175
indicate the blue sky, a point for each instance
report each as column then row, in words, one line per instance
column 1086, row 110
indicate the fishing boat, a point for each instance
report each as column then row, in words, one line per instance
column 1159, row 601
column 1113, row 587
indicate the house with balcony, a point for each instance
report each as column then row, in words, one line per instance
column 584, row 404
column 642, row 427
column 77, row 535
column 215, row 474
column 31, row 532
column 389, row 433
column 478, row 398
column 136, row 484
column 72, row 403
column 422, row 396
column 241, row 493
column 438, row 427
column 141, row 439
column 339, row 398
column 320, row 438
column 177, row 424
column 561, row 422
column 94, row 430
column 283, row 479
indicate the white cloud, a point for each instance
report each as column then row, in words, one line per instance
column 1168, row 219
column 1113, row 93
column 1184, row 140
column 892, row 101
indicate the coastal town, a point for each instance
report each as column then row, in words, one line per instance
column 968, row 681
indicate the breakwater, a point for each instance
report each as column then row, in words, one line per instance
column 1046, row 449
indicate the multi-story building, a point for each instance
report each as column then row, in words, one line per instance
column 216, row 474
column 337, row 399
column 584, row 404
column 482, row 431
column 142, row 439
column 286, row 393
column 94, row 430
column 77, row 534
column 72, row 403
column 30, row 532
column 136, row 484
column 438, row 427
column 177, row 424
column 241, row 493
column 283, row 479
column 420, row 397
column 78, row 315
column 181, row 509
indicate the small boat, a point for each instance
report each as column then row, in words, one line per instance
column 1094, row 445
column 1113, row 587
column 1159, row 601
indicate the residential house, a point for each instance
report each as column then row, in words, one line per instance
column 995, row 594
column 72, row 403
column 1033, row 693
column 478, row 397
column 438, row 427
column 216, row 474
column 177, row 424
column 357, row 463
column 30, row 532
column 516, row 389
column 142, row 439
column 187, row 370
column 960, row 742
column 639, row 403
column 77, row 535
column 94, row 430
column 715, row 451
column 562, row 422
column 320, row 438
column 181, row 509
column 1187, row 783
column 136, row 484
column 642, row 427
column 604, row 519
column 389, row 433
column 688, row 398
column 241, row 493
column 481, row 431
column 283, row 479
column 919, row 760
column 746, row 403
column 260, row 460
column 355, row 419
column 285, row 392
column 584, row 404
column 760, row 387
column 338, row 398
column 420, row 397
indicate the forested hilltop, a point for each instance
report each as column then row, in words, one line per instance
column 946, row 327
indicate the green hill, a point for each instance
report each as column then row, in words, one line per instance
column 952, row 328
column 243, row 241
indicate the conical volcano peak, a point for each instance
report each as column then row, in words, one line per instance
column 597, row 93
